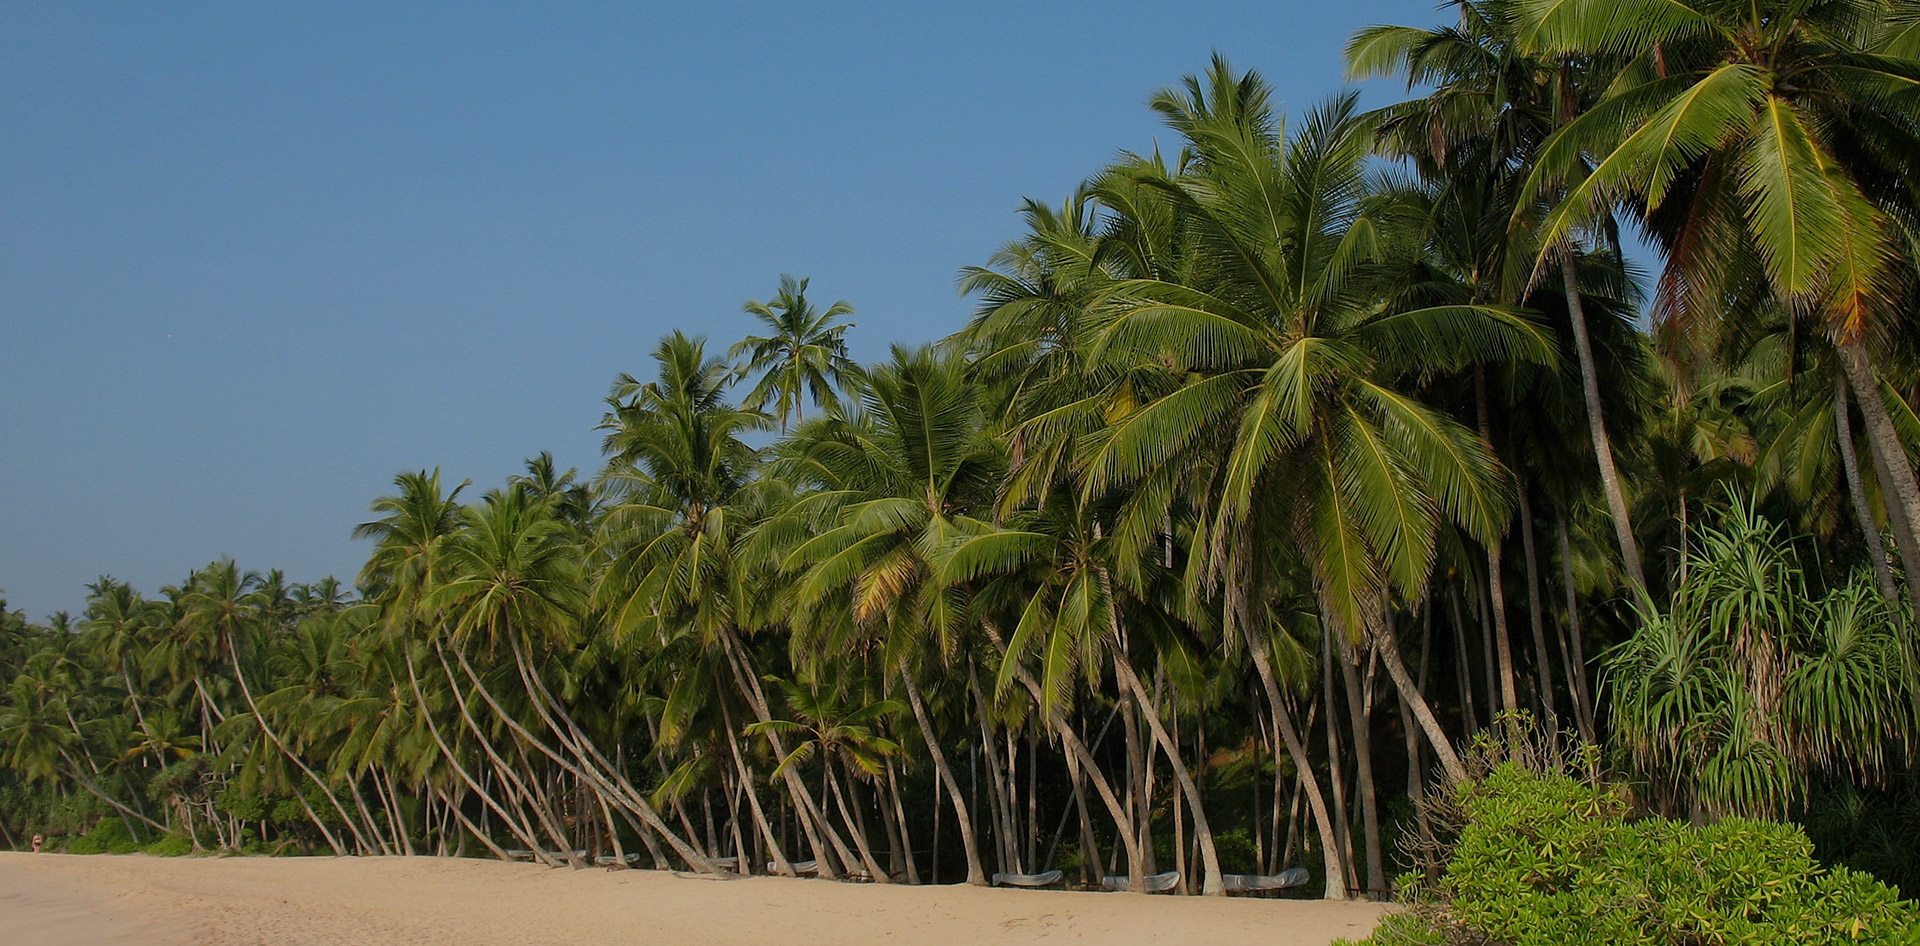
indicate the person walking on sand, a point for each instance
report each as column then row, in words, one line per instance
column 37, row 841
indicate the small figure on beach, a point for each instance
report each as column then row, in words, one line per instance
column 37, row 841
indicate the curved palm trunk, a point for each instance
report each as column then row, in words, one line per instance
column 1576, row 647
column 1857, row 491
column 593, row 767
column 1212, row 883
column 1890, row 460
column 1597, row 428
column 780, row 863
column 267, row 728
column 1336, row 888
column 1543, row 675
column 1388, row 646
column 1357, row 712
column 506, row 772
column 975, row 875
column 813, row 821
column 515, row 825
column 874, row 871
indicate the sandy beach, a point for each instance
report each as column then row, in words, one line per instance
column 425, row 901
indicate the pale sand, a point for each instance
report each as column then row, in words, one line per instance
column 422, row 901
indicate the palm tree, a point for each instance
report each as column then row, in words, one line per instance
column 1768, row 145
column 1491, row 106
column 683, row 493
column 895, row 483
column 804, row 353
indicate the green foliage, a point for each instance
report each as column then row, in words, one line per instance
column 1555, row 860
column 109, row 836
column 173, row 845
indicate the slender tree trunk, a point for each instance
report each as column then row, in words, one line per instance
column 1583, row 699
column 1389, row 649
column 1543, row 669
column 1336, row 762
column 900, row 816
column 1357, row 710
column 1336, row 886
column 521, row 832
column 1597, row 427
column 813, row 822
column 267, row 729
column 780, row 863
column 855, row 826
column 453, row 809
column 592, row 765
column 1857, row 491
column 515, row 785
column 975, row 875
column 1212, row 885
column 1003, row 831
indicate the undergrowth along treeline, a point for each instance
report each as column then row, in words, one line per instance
column 1268, row 473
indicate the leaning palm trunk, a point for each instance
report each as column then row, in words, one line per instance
column 1388, row 646
column 1336, row 888
column 516, row 787
column 1890, row 461
column 592, row 766
column 267, row 729
column 780, row 863
column 1080, row 758
column 515, row 825
column 1597, row 427
column 975, row 875
column 1357, row 713
column 1857, row 491
column 813, row 820
column 1212, row 883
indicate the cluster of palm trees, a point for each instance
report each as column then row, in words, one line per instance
column 1243, row 443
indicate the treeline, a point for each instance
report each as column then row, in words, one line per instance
column 1269, row 472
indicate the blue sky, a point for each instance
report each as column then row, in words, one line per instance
column 255, row 260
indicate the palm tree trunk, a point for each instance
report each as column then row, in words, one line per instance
column 1543, row 662
column 1597, row 427
column 589, row 754
column 975, row 875
column 1211, row 883
column 515, row 786
column 521, row 832
column 1336, row 887
column 780, row 863
column 267, row 729
column 900, row 816
column 1003, row 831
column 1857, row 491
column 1358, row 712
column 473, row 829
column 855, row 826
column 813, row 821
column 1576, row 655
column 1388, row 646
column 1336, row 763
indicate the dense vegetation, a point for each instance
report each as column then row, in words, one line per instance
column 1269, row 472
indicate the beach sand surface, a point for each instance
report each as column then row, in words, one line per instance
column 424, row 901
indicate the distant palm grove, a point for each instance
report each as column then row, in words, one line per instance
column 1279, row 474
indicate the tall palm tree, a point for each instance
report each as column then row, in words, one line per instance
column 895, row 482
column 1769, row 145
column 804, row 353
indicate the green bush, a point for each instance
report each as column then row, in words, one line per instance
column 1551, row 860
column 173, row 845
column 109, row 836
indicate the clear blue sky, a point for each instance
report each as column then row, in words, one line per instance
column 254, row 260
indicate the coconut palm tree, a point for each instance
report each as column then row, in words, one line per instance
column 1768, row 145
column 803, row 355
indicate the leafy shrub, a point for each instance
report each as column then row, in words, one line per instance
column 173, row 845
column 109, row 836
column 1549, row 859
